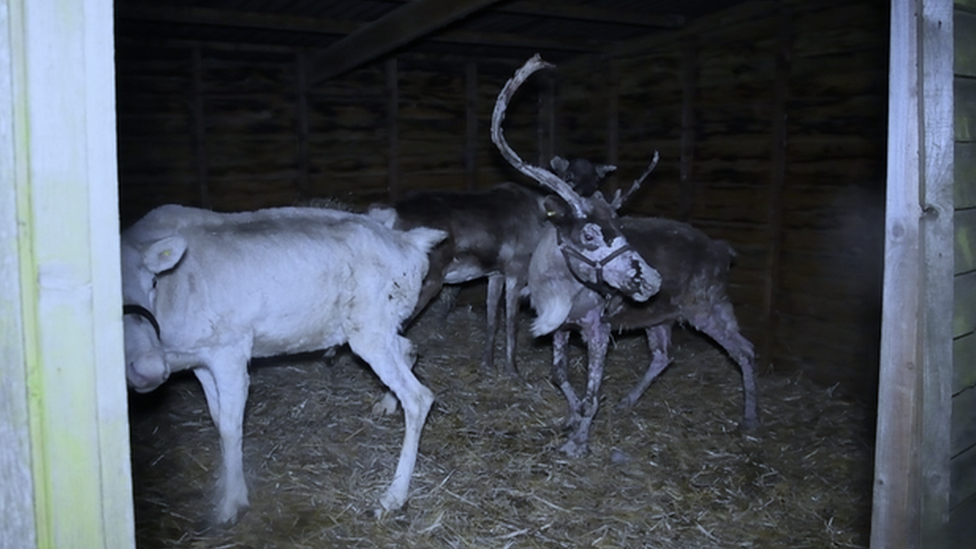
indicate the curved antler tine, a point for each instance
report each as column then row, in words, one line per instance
column 543, row 176
column 619, row 200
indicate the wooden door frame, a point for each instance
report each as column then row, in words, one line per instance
column 911, row 484
column 63, row 408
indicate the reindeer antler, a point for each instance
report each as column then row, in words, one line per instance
column 619, row 200
column 543, row 176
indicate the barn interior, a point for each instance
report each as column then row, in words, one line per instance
column 769, row 117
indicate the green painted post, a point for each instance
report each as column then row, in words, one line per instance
column 61, row 249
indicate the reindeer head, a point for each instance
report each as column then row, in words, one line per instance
column 581, row 174
column 587, row 227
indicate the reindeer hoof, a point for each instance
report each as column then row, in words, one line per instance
column 749, row 424
column 228, row 515
column 385, row 406
column 575, row 449
column 625, row 404
column 510, row 371
column 390, row 502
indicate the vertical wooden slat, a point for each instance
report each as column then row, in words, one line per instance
column 689, row 96
column 199, row 128
column 60, row 313
column 962, row 492
column 301, row 122
column 774, row 231
column 911, row 461
column 393, row 111
column 18, row 522
column 471, row 124
column 547, row 119
column 613, row 115
column 934, row 437
column 895, row 491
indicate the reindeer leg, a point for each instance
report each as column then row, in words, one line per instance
column 225, row 383
column 596, row 333
column 444, row 303
column 658, row 340
column 512, row 289
column 432, row 285
column 494, row 294
column 722, row 327
column 560, row 378
column 391, row 357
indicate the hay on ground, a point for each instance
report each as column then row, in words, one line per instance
column 674, row 471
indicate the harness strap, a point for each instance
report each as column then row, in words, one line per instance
column 139, row 310
column 569, row 250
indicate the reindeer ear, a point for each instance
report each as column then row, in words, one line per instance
column 164, row 254
column 603, row 169
column 556, row 208
column 559, row 165
column 384, row 214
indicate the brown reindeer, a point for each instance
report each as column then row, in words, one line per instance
column 583, row 258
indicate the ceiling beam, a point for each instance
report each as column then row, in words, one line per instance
column 322, row 25
column 398, row 27
column 336, row 27
column 236, row 18
column 563, row 10
column 523, row 41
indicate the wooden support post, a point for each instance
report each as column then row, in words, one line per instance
column 471, row 124
column 934, row 435
column 65, row 468
column 895, row 490
column 301, row 122
column 912, row 474
column 393, row 111
column 199, row 129
column 774, row 230
column 689, row 102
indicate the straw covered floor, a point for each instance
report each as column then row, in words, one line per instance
column 673, row 472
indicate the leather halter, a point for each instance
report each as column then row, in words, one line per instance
column 139, row 310
column 570, row 250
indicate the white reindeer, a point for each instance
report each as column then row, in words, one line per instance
column 208, row 291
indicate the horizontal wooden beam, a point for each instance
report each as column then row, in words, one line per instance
column 398, row 27
column 592, row 15
column 360, row 42
column 236, row 18
column 318, row 25
column 522, row 41
column 125, row 43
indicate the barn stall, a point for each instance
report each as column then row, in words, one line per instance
column 770, row 118
column 767, row 139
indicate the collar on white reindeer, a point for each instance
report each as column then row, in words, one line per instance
column 139, row 310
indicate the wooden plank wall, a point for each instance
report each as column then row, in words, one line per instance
column 155, row 136
column 237, row 127
column 962, row 496
column 786, row 134
column 445, row 119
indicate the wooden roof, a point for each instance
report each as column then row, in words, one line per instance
column 344, row 34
